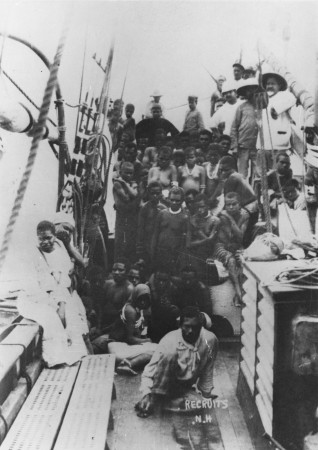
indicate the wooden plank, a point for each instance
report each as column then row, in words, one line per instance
column 248, row 376
column 38, row 422
column 85, row 423
column 22, row 334
column 9, row 356
column 231, row 420
column 16, row 398
column 266, row 420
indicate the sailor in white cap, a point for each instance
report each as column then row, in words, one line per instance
column 276, row 118
column 156, row 95
column 222, row 120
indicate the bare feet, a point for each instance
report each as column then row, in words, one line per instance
column 125, row 368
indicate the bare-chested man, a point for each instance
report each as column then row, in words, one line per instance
column 117, row 292
column 164, row 172
column 169, row 237
column 127, row 201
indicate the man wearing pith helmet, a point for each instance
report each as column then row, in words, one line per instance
column 223, row 118
column 156, row 96
column 276, row 118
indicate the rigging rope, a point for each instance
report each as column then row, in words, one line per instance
column 38, row 133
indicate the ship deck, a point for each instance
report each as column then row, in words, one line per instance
column 227, row 431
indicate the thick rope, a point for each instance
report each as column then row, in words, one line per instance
column 38, row 133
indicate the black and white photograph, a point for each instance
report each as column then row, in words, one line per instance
column 158, row 225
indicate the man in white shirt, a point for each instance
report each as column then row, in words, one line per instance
column 276, row 118
column 222, row 120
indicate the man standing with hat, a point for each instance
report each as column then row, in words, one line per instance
column 193, row 122
column 217, row 94
column 276, row 118
column 238, row 71
column 244, row 128
column 221, row 122
column 156, row 95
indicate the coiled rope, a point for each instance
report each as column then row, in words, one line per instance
column 38, row 133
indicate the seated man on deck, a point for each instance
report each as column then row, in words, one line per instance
column 50, row 301
column 183, row 358
column 117, row 292
column 234, row 220
column 128, row 340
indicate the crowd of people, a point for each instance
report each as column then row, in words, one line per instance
column 186, row 204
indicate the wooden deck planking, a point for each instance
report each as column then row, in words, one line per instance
column 231, row 421
column 155, row 432
column 130, row 431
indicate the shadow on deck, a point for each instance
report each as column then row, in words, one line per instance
column 226, row 431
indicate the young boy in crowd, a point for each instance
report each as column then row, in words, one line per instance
column 146, row 221
column 225, row 142
column 191, row 176
column 164, row 172
column 142, row 144
column 233, row 224
column 130, row 155
column 189, row 200
column 202, row 236
column 213, row 189
column 126, row 197
column 169, row 236
column 183, row 140
column 129, row 125
column 205, row 139
column 293, row 195
column 178, row 158
column 134, row 275
column 151, row 153
column 193, row 122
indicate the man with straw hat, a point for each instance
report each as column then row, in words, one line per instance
column 244, row 127
column 276, row 118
